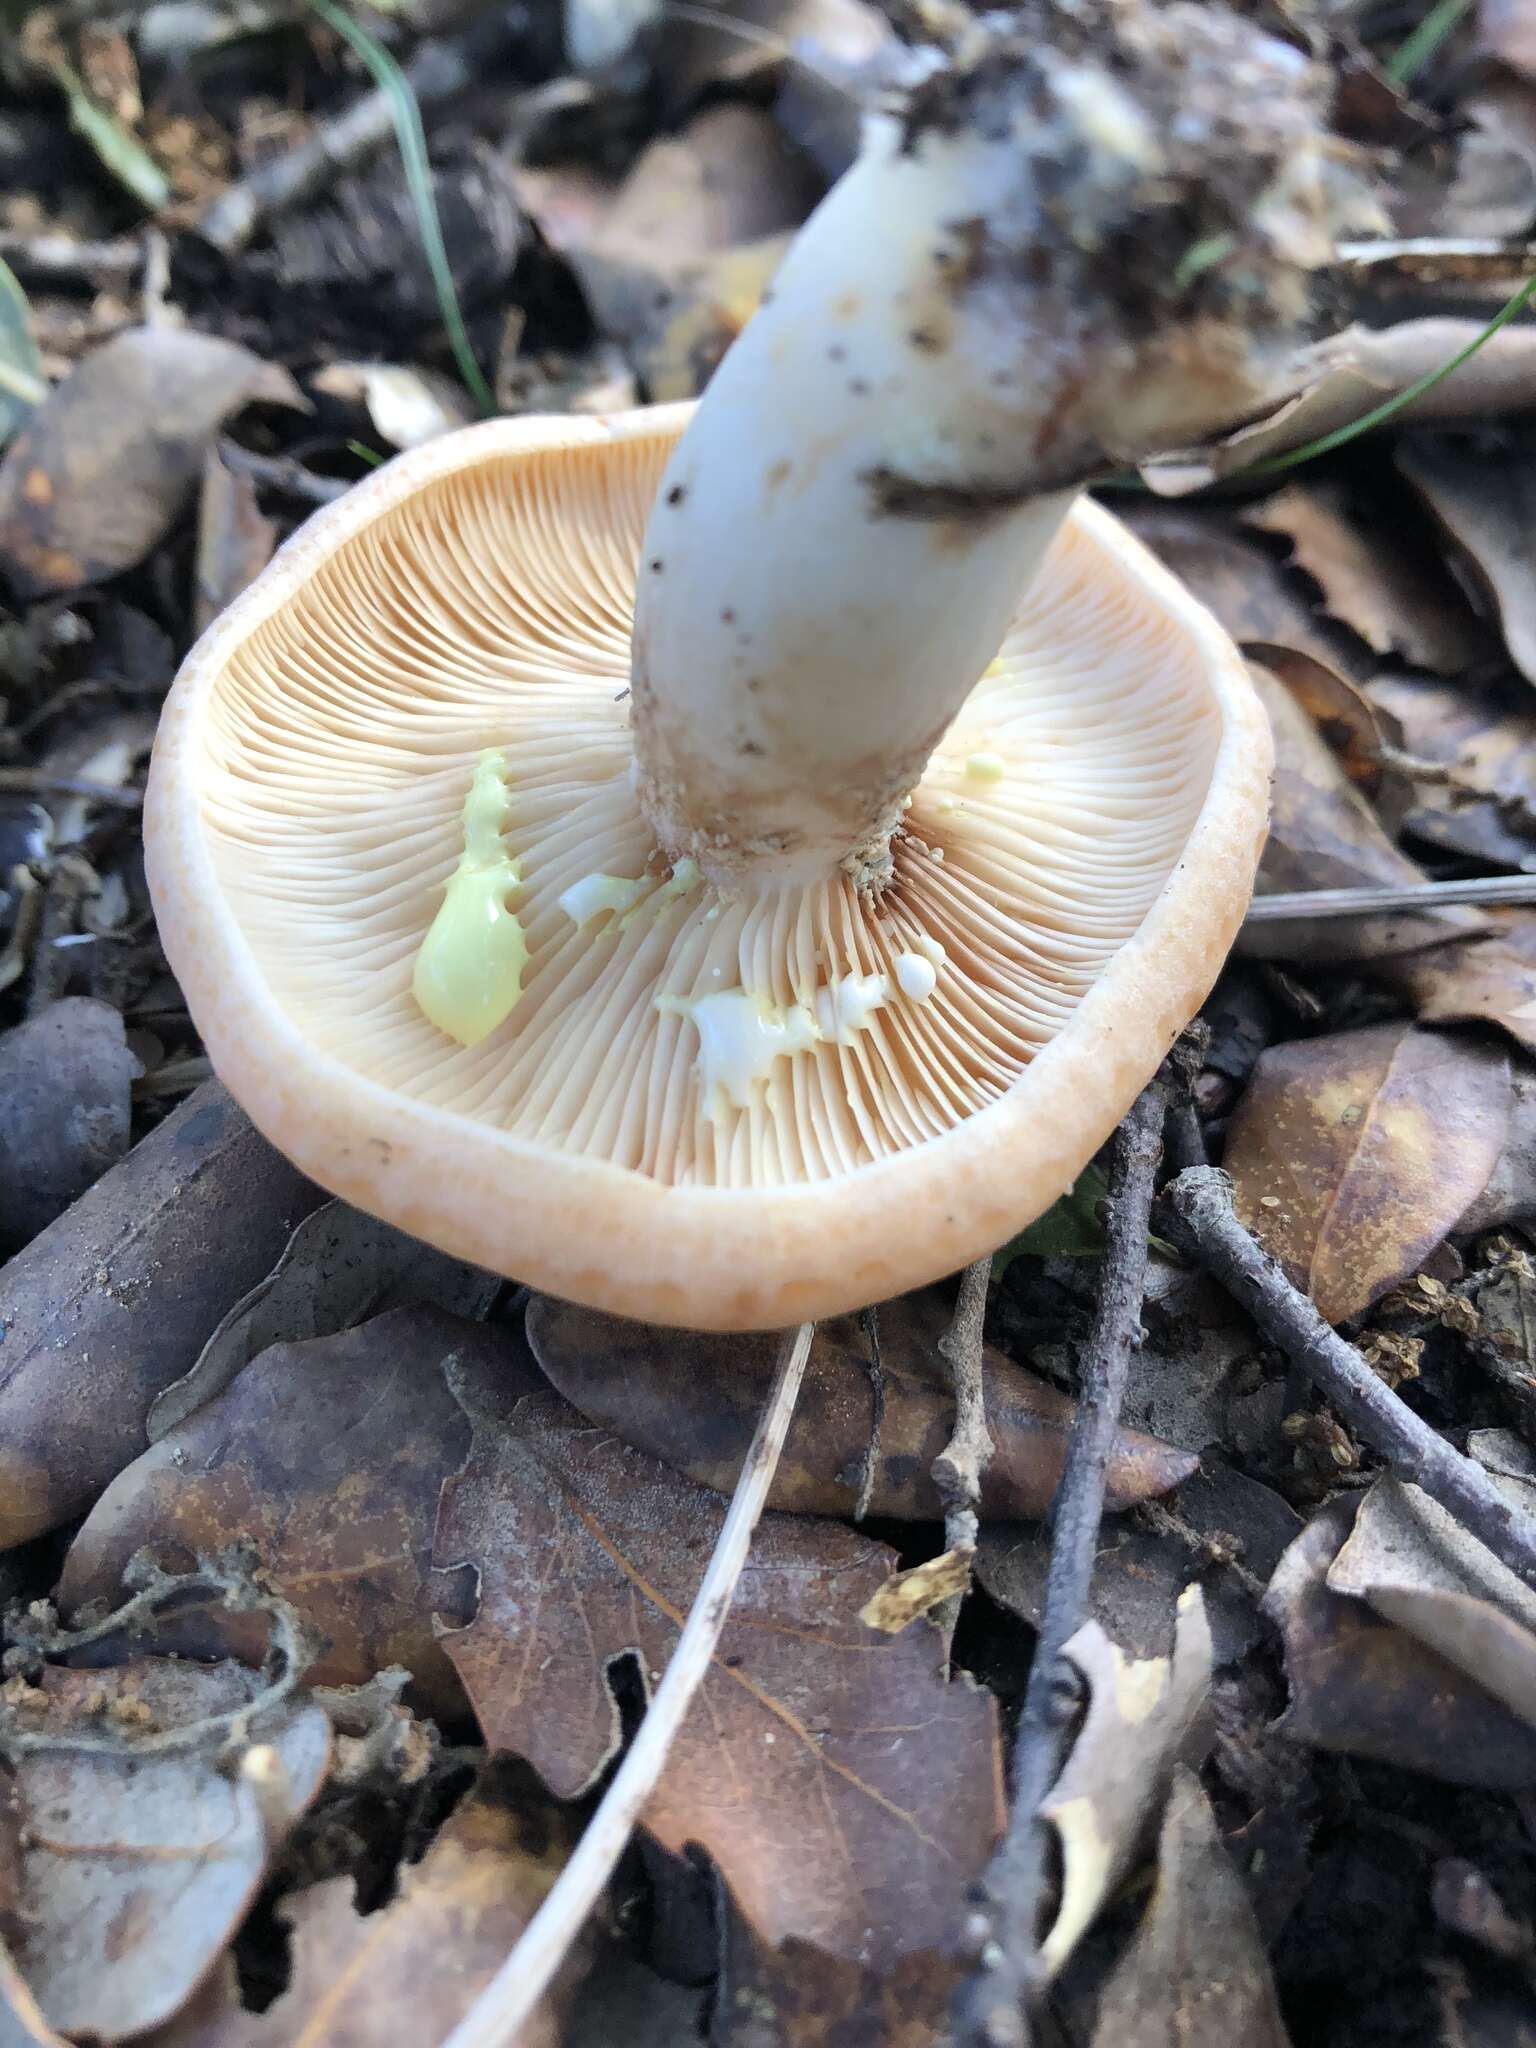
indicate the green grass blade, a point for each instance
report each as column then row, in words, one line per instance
column 412, row 139
column 1415, row 51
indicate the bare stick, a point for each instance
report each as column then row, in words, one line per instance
column 1182, row 1134
column 1005, row 1928
column 1374, row 900
column 958, row 1468
column 869, row 1324
column 1199, row 1218
column 503, row 2009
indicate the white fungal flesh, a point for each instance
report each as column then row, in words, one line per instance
column 496, row 613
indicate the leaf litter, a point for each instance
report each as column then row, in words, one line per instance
column 215, row 314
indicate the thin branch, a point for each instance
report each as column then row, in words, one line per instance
column 1182, row 1133
column 503, row 2009
column 1368, row 901
column 958, row 1468
column 1197, row 1213
column 869, row 1324
column 1005, row 1929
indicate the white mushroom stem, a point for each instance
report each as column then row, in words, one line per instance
column 1081, row 239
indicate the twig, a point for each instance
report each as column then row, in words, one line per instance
column 283, row 473
column 958, row 1468
column 1368, row 901
column 503, row 2009
column 1005, row 1928
column 34, row 782
column 55, row 258
column 440, row 71
column 1200, row 1220
column 1182, row 1133
column 869, row 1324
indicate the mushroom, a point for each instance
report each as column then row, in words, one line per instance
column 824, row 964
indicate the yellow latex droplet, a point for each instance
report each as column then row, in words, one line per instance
column 469, row 971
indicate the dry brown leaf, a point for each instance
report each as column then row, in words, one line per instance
column 847, row 1792
column 1509, row 31
column 1195, row 1975
column 235, row 539
column 65, row 1111
column 329, row 1457
column 1417, row 1567
column 1353, row 1156
column 1488, row 507
column 1486, row 806
column 1349, row 374
column 1356, row 731
column 105, row 464
column 1361, row 1687
column 411, row 1970
column 693, row 1400
column 116, row 1299
column 1324, row 835
column 1140, row 1716
column 1396, row 596
column 799, row 1996
column 912, row 1594
column 1477, row 981
column 136, row 1870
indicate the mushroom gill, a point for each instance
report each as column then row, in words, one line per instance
column 491, row 608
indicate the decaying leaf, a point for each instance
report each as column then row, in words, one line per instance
column 65, row 1110
column 1397, row 598
column 1361, row 1687
column 135, row 1870
column 407, row 406
column 416, row 1966
column 105, row 464
column 1195, row 1975
column 1490, row 980
column 1069, row 1229
column 1483, row 801
column 1417, row 1567
column 1353, row 1156
column 1141, row 1715
column 693, row 1400
column 116, row 1299
column 339, row 1266
column 235, row 538
column 1355, row 729
column 799, row 1996
column 328, row 1456
column 900, row 1601
column 1488, row 508
column 846, row 1791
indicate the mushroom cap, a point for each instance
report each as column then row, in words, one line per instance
column 304, row 811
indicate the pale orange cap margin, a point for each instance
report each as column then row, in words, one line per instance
column 349, row 1083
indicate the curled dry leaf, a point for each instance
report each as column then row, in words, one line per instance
column 1140, row 1720
column 338, row 1267
column 846, row 1791
column 235, row 538
column 1349, row 374
column 1353, row 1156
column 96, row 476
column 135, row 1871
column 407, row 406
column 1407, row 1558
column 1487, row 506
column 1195, row 1976
column 693, row 1399
column 329, row 1457
column 1347, row 719
column 1398, row 598
column 414, row 1968
column 1324, row 835
column 116, row 1299
column 65, row 1110
column 1361, row 1687
column 1477, row 981
column 1480, row 798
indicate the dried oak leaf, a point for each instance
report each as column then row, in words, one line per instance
column 1141, row 1715
column 136, row 1870
column 65, row 1110
column 1355, row 729
column 106, row 463
column 235, row 538
column 116, row 1299
column 1482, row 798
column 799, row 1996
column 1324, row 835
column 329, row 1457
column 1398, row 598
column 693, row 1400
column 1195, row 1976
column 1361, row 1687
column 1412, row 1562
column 1484, row 498
column 846, row 1791
column 410, row 1971
column 1353, row 1156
